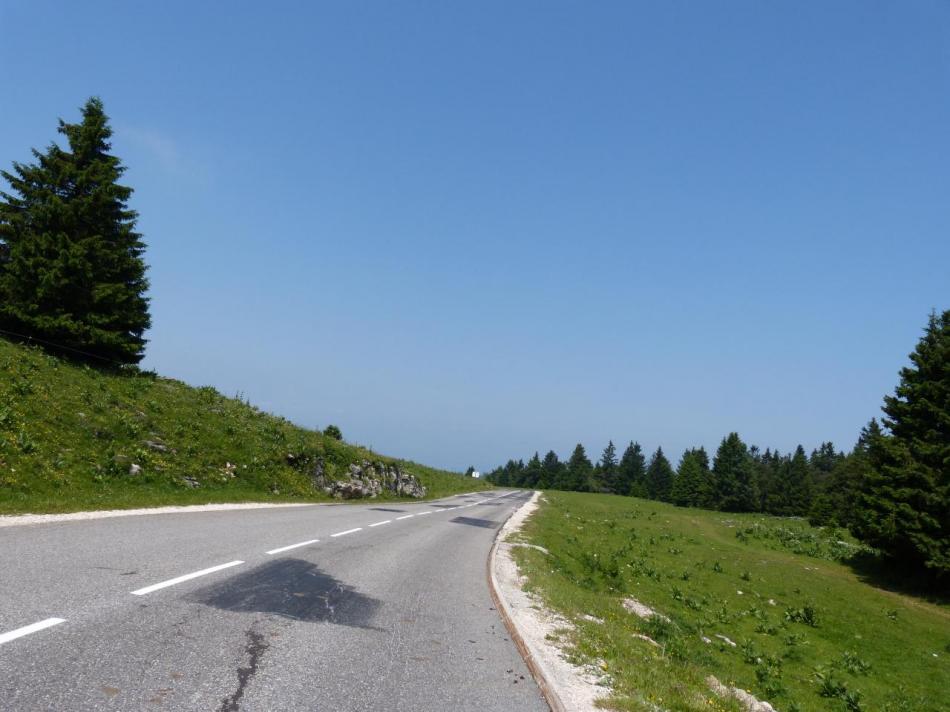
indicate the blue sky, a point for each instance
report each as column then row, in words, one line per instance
column 468, row 231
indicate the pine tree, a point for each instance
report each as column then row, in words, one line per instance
column 734, row 475
column 659, row 477
column 551, row 469
column 532, row 472
column 768, row 468
column 71, row 270
column 904, row 509
column 836, row 502
column 578, row 471
column 632, row 472
column 792, row 493
column 607, row 472
column 690, row 487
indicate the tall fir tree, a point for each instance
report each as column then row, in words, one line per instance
column 904, row 508
column 734, row 475
column 607, row 472
column 551, row 469
column 72, row 271
column 632, row 472
column 691, row 485
column 532, row 472
column 792, row 492
column 660, row 477
column 578, row 471
column 836, row 496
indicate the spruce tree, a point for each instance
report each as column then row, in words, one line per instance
column 578, row 471
column 904, row 509
column 734, row 476
column 551, row 469
column 608, row 475
column 632, row 472
column 659, row 477
column 792, row 493
column 72, row 270
column 532, row 472
column 691, row 484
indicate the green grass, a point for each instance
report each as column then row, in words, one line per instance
column 69, row 435
column 809, row 633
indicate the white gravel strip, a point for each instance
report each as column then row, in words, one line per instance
column 15, row 520
column 567, row 687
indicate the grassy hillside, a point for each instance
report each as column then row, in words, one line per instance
column 809, row 634
column 70, row 435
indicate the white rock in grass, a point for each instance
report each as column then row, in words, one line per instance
column 749, row 702
column 726, row 640
column 642, row 610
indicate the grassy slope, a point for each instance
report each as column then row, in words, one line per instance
column 890, row 651
column 68, row 435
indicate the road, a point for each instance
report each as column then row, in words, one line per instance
column 377, row 606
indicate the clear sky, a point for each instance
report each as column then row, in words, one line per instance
column 465, row 231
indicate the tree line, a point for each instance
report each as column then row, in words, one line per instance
column 739, row 478
column 892, row 489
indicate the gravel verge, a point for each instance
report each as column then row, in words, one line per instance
column 14, row 520
column 566, row 687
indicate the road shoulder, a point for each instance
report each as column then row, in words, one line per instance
column 566, row 687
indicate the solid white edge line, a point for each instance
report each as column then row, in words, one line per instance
column 186, row 577
column 32, row 628
column 292, row 546
column 348, row 531
column 379, row 524
column 408, row 516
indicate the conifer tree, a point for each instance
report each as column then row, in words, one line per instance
column 836, row 502
column 632, row 472
column 691, row 483
column 71, row 265
column 792, row 492
column 734, row 475
column 905, row 501
column 608, row 474
column 551, row 469
column 532, row 472
column 578, row 471
column 659, row 477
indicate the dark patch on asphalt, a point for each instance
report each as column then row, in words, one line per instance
column 254, row 649
column 473, row 522
column 291, row 588
column 386, row 509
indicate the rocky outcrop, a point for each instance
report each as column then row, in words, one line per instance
column 367, row 480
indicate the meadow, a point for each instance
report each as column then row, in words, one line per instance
column 73, row 437
column 771, row 605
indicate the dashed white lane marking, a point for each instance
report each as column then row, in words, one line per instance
column 27, row 629
column 348, row 531
column 408, row 516
column 186, row 577
column 293, row 546
column 379, row 524
column 429, row 512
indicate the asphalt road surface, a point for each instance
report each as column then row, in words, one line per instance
column 378, row 606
